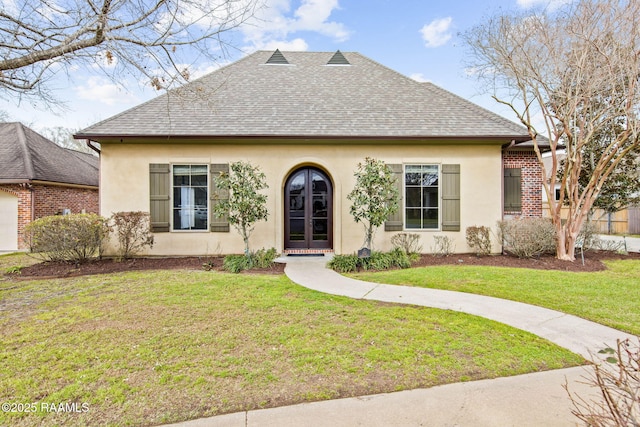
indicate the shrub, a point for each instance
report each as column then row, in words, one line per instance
column 133, row 230
column 397, row 258
column 344, row 263
column 408, row 242
column 442, row 246
column 619, row 382
column 71, row 238
column 263, row 258
column 236, row 263
column 479, row 239
column 528, row 237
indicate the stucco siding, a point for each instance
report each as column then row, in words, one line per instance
column 125, row 187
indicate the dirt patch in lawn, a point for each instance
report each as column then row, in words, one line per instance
column 106, row 266
column 593, row 261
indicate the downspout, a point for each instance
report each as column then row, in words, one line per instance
column 94, row 148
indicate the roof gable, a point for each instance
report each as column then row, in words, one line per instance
column 25, row 155
column 308, row 98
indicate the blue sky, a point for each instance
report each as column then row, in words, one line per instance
column 418, row 38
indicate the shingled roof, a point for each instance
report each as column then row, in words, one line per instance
column 308, row 95
column 27, row 156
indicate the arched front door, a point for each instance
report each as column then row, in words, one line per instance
column 308, row 210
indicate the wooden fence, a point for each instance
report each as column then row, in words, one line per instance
column 626, row 221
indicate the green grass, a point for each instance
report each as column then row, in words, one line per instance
column 610, row 297
column 154, row 347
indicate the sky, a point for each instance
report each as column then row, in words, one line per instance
column 417, row 38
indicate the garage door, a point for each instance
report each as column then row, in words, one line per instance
column 8, row 222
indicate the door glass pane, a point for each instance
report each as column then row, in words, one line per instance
column 297, row 196
column 296, row 229
column 320, row 229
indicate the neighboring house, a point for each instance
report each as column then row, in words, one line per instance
column 307, row 119
column 624, row 221
column 39, row 178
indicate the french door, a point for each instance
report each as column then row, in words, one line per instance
column 308, row 210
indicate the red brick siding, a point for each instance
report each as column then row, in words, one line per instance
column 531, row 183
column 49, row 200
column 52, row 200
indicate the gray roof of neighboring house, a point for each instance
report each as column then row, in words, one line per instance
column 25, row 155
column 310, row 99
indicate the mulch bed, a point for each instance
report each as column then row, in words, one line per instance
column 106, row 266
column 593, row 262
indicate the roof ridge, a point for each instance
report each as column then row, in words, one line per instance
column 22, row 140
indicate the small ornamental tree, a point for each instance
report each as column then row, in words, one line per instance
column 374, row 197
column 245, row 206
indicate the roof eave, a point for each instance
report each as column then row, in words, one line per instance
column 501, row 139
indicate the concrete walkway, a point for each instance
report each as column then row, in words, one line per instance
column 628, row 243
column 525, row 400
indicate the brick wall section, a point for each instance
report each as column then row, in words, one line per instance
column 531, row 183
column 49, row 200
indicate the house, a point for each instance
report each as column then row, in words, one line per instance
column 307, row 119
column 39, row 178
column 624, row 221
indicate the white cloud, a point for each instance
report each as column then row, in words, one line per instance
column 102, row 90
column 419, row 77
column 276, row 23
column 549, row 4
column 292, row 45
column 437, row 33
column 312, row 15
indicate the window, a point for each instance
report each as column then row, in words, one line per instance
column 421, row 186
column 190, row 197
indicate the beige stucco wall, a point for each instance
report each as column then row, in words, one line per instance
column 125, row 187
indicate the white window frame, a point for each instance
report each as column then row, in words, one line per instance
column 172, row 206
column 404, row 198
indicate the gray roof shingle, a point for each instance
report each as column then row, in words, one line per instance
column 25, row 155
column 308, row 98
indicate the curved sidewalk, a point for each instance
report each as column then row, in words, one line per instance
column 581, row 336
column 537, row 399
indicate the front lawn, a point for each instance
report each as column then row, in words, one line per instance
column 145, row 348
column 610, row 297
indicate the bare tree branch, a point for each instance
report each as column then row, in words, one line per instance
column 139, row 37
column 576, row 70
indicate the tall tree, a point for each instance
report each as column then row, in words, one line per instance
column 142, row 37
column 374, row 197
column 64, row 137
column 622, row 188
column 573, row 71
